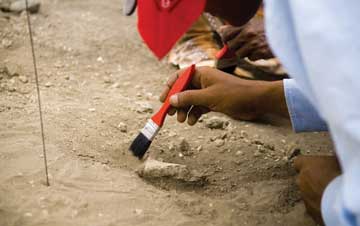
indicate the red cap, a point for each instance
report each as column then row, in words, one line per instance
column 161, row 23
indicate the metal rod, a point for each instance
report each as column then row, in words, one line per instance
column 38, row 91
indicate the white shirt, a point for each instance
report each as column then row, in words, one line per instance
column 318, row 42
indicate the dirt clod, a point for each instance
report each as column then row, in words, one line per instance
column 216, row 122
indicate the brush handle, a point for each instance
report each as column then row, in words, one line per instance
column 181, row 84
column 225, row 53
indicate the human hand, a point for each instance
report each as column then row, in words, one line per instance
column 248, row 40
column 315, row 173
column 214, row 90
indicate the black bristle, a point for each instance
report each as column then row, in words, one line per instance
column 140, row 145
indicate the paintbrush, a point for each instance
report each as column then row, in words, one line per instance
column 143, row 141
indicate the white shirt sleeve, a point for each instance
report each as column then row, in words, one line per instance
column 319, row 44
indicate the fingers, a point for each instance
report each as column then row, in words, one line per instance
column 195, row 114
column 196, row 81
column 228, row 32
column 172, row 111
column 182, row 114
column 244, row 51
column 169, row 83
column 189, row 98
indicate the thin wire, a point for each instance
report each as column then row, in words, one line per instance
column 38, row 92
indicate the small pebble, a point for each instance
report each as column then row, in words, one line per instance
column 116, row 85
column 123, row 127
column 6, row 43
column 107, row 80
column 23, row 79
column 28, row 215
column 219, row 142
column 12, row 70
column 216, row 123
column 100, row 59
column 48, row 84
column 138, row 211
column 144, row 107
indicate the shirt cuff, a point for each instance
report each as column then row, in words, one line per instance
column 304, row 117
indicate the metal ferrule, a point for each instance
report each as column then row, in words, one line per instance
column 150, row 130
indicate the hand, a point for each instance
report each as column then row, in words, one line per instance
column 315, row 173
column 248, row 40
column 214, row 90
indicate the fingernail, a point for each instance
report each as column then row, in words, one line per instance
column 174, row 100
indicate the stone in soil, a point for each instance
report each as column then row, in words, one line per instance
column 216, row 123
column 153, row 169
column 6, row 43
column 122, row 127
column 19, row 6
column 12, row 70
column 23, row 79
column 144, row 107
column 219, row 142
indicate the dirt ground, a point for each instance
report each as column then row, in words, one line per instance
column 98, row 85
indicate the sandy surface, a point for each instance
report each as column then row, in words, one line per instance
column 95, row 73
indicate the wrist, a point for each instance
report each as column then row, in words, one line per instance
column 272, row 99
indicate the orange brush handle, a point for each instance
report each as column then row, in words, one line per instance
column 181, row 84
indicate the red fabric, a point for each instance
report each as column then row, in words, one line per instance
column 161, row 27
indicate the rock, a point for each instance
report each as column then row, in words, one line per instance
column 18, row 6
column 216, row 123
column 172, row 147
column 239, row 153
column 6, row 43
column 219, row 142
column 144, row 107
column 138, row 211
column 243, row 134
column 100, row 59
column 11, row 88
column 172, row 134
column 12, row 70
column 28, row 215
column 257, row 153
column 270, row 147
column 199, row 148
column 48, row 84
column 153, row 169
column 23, row 79
column 107, row 80
column 123, row 127
column 116, row 85
column 92, row 109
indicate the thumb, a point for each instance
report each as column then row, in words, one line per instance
column 189, row 98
